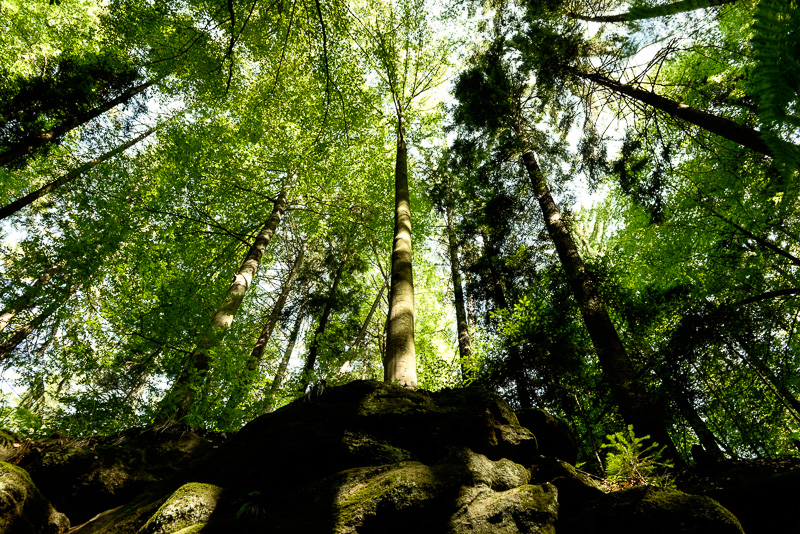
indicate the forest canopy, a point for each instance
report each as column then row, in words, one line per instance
column 211, row 208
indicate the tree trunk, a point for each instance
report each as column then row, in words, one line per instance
column 634, row 404
column 516, row 363
column 16, row 205
column 251, row 366
column 27, row 298
column 323, row 323
column 178, row 402
column 726, row 128
column 464, row 349
column 21, row 334
column 287, row 355
column 399, row 365
column 29, row 145
column 363, row 331
column 649, row 12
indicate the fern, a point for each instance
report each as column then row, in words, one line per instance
column 776, row 76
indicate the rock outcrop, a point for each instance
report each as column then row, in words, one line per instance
column 363, row 458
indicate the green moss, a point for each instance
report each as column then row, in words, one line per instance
column 405, row 485
column 190, row 505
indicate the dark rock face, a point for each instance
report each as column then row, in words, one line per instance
column 554, row 436
column 761, row 493
column 84, row 478
column 23, row 509
column 370, row 458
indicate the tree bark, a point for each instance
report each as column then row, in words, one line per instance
column 650, row 12
column 464, row 348
column 27, row 298
column 399, row 365
column 287, row 355
column 21, row 334
column 29, row 145
column 323, row 323
column 726, row 128
column 27, row 200
column 179, row 400
column 634, row 404
column 363, row 331
column 257, row 354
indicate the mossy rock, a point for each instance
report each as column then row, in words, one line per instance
column 191, row 505
column 23, row 508
column 524, row 509
column 646, row 508
column 554, row 436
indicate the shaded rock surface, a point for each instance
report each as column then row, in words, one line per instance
column 363, row 458
column 23, row 509
column 763, row 494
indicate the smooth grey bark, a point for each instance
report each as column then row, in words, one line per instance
column 725, row 128
column 180, row 398
column 636, row 407
column 28, row 146
column 257, row 354
column 27, row 200
column 464, row 348
column 649, row 12
column 400, row 364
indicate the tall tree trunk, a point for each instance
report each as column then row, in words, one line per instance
column 635, row 405
column 287, row 355
column 179, row 400
column 400, row 362
column 649, row 12
column 16, row 205
column 16, row 338
column 353, row 351
column 256, row 355
column 464, row 349
column 726, row 128
column 29, row 145
column 365, row 326
column 321, row 326
column 516, row 363
column 26, row 299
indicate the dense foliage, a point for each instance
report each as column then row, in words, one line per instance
column 214, row 229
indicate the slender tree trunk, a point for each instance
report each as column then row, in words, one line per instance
column 516, row 362
column 635, row 405
column 178, row 402
column 353, row 351
column 16, row 338
column 464, row 349
column 400, row 365
column 726, row 128
column 321, row 326
column 27, row 200
column 368, row 320
column 650, row 12
column 287, row 355
column 707, row 438
column 29, row 145
column 240, row 390
column 27, row 298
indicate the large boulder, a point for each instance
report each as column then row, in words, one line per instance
column 23, row 508
column 369, row 457
column 554, row 436
column 85, row 477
